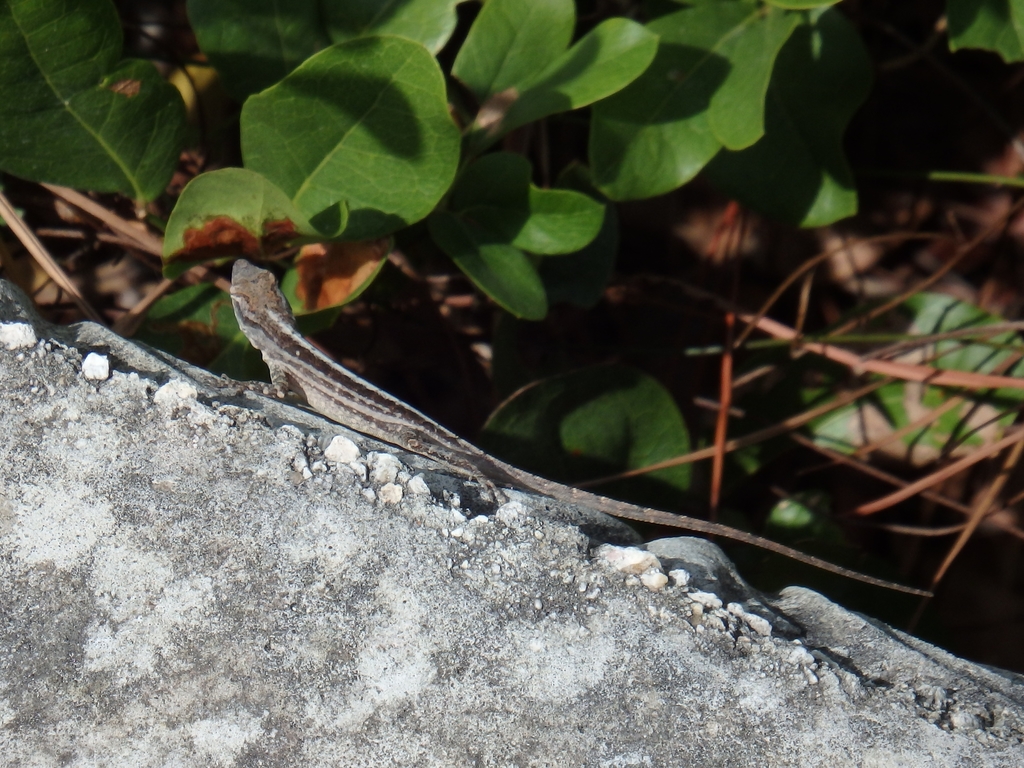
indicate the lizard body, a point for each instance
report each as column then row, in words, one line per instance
column 296, row 365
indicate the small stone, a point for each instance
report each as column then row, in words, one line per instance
column 384, row 468
column 173, row 392
column 654, row 580
column 680, row 577
column 341, row 450
column 760, row 625
column 96, row 367
column 707, row 599
column 418, row 486
column 17, row 335
column 801, row 656
column 391, row 493
column 628, row 559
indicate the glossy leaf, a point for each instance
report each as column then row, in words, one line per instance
column 798, row 171
column 736, row 111
column 581, row 278
column 428, row 22
column 498, row 269
column 255, row 43
column 602, row 62
column 594, row 422
column 495, row 193
column 511, row 41
column 801, row 5
column 364, row 122
column 654, row 135
column 231, row 212
column 74, row 114
column 995, row 25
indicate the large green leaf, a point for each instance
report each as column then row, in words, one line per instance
column 736, row 111
column 995, row 25
column 231, row 212
column 495, row 193
column 581, row 278
column 364, row 122
column 430, row 22
column 254, row 43
column 798, row 171
column 801, row 5
column 654, row 135
column 602, row 62
column 594, row 422
column 73, row 114
column 511, row 41
column 500, row 270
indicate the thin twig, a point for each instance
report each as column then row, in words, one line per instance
column 45, row 260
column 145, row 241
column 981, row 507
column 961, row 253
column 814, row 261
column 788, row 425
column 939, row 475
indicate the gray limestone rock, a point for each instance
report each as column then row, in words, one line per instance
column 196, row 575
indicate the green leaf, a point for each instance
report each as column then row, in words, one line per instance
column 495, row 193
column 511, row 41
column 365, row 122
column 801, row 5
column 254, row 43
column 580, row 278
column 428, row 22
column 500, row 270
column 603, row 61
column 995, row 25
column 595, row 422
column 736, row 112
column 73, row 114
column 231, row 212
column 798, row 171
column 654, row 135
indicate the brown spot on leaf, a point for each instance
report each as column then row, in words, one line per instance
column 218, row 237
column 128, row 87
column 277, row 233
column 329, row 273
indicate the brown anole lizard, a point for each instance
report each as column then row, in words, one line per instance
column 297, row 366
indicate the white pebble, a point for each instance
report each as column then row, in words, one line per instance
column 654, row 580
column 707, row 599
column 801, row 656
column 384, row 468
column 418, row 486
column 760, row 625
column 173, row 392
column 627, row 559
column 680, row 577
column 17, row 335
column 341, row 450
column 96, row 367
column 391, row 493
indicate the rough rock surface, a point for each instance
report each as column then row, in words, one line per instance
column 194, row 575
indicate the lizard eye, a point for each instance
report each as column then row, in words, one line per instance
column 413, row 443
